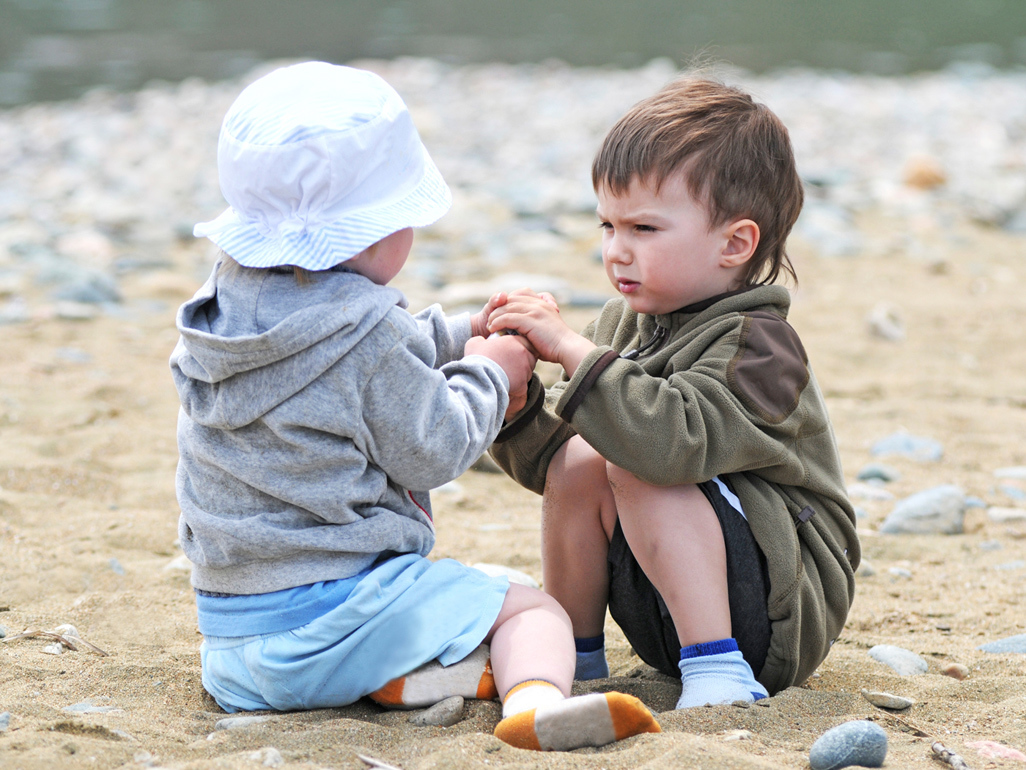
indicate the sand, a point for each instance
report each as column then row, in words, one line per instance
column 88, row 528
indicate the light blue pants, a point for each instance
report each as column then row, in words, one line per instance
column 406, row 612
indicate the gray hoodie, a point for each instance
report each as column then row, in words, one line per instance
column 314, row 418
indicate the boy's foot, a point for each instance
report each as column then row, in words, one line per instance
column 563, row 724
column 433, row 682
column 591, row 658
column 714, row 673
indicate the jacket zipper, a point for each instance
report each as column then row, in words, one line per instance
column 661, row 333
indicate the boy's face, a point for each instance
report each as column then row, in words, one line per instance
column 658, row 249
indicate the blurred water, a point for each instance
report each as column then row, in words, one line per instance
column 53, row 49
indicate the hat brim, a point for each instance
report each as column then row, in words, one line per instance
column 334, row 243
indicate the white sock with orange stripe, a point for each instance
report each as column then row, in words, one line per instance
column 433, row 682
column 537, row 716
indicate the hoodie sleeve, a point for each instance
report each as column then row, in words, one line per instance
column 449, row 333
column 426, row 426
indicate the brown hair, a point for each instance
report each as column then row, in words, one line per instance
column 735, row 155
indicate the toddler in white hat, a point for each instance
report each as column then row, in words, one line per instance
column 316, row 415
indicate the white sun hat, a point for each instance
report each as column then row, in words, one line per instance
column 318, row 161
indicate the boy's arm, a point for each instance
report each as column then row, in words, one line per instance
column 734, row 409
column 526, row 444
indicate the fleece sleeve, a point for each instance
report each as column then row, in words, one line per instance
column 425, row 426
column 732, row 410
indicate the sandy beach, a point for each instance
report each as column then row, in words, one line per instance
column 914, row 329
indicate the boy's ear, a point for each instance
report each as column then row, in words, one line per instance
column 742, row 239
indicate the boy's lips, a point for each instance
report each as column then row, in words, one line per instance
column 626, row 285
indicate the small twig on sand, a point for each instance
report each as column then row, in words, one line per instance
column 948, row 757
column 71, row 642
column 376, row 763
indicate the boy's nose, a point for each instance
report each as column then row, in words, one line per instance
column 616, row 250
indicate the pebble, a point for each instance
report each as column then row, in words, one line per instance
column 885, row 321
column 100, row 705
column 240, row 723
column 995, row 750
column 1010, row 565
column 5, row 721
column 445, row 713
column 1001, row 515
column 267, row 756
column 904, row 662
column 886, row 700
column 858, row 743
column 878, row 472
column 179, row 564
column 871, row 492
column 66, row 629
column 1015, row 472
column 956, row 671
column 865, row 569
column 900, row 572
column 738, row 735
column 902, row 444
column 1015, row 644
column 940, row 511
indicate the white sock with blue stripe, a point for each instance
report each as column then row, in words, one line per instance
column 715, row 672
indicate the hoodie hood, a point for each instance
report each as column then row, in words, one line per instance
column 251, row 339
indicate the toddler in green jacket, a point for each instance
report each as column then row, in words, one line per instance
column 689, row 474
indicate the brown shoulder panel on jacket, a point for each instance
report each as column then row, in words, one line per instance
column 770, row 369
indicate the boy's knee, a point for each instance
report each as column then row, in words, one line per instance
column 576, row 464
column 621, row 479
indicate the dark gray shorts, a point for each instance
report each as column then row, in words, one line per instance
column 639, row 610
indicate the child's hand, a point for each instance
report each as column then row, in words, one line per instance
column 536, row 317
column 479, row 321
column 513, row 355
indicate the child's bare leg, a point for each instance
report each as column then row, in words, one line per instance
column 578, row 517
column 531, row 639
column 676, row 537
column 533, row 662
column 674, row 534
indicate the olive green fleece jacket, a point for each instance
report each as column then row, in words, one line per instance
column 725, row 389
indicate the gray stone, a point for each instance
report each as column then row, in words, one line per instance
column 1013, row 472
column 240, row 723
column 940, row 511
column 904, row 662
column 445, row 713
column 858, row 743
column 886, row 700
column 878, row 472
column 92, row 706
column 1011, row 565
column 914, row 447
column 5, row 721
column 1015, row 644
column 1001, row 515
column 90, row 289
